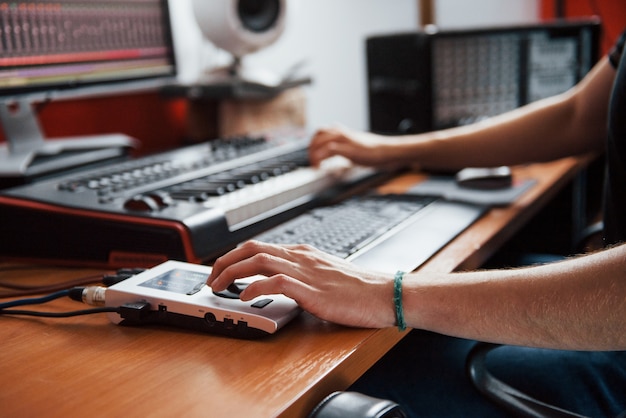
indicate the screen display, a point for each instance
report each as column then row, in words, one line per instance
column 178, row 281
column 71, row 43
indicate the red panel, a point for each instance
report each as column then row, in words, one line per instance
column 157, row 122
column 612, row 13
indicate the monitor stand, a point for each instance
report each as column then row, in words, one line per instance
column 27, row 155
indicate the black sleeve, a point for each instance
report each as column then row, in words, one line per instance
column 616, row 52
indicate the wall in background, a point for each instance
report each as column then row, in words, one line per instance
column 329, row 37
column 463, row 13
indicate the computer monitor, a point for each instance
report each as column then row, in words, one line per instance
column 434, row 79
column 55, row 49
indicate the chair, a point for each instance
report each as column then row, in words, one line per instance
column 513, row 400
column 356, row 405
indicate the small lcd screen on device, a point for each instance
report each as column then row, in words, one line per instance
column 178, row 281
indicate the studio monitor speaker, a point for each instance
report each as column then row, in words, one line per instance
column 241, row 26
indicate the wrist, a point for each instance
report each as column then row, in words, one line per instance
column 398, row 300
column 380, row 306
column 405, row 150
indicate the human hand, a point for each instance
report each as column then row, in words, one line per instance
column 326, row 286
column 361, row 148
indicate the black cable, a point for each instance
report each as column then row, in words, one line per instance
column 73, row 282
column 608, row 35
column 93, row 295
column 34, row 301
column 75, row 293
column 559, row 9
column 58, row 314
column 25, row 290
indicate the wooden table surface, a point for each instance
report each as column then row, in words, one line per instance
column 86, row 366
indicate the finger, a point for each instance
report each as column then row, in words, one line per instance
column 327, row 135
column 305, row 295
column 250, row 259
column 268, row 260
column 323, row 144
column 252, row 247
column 274, row 285
column 240, row 253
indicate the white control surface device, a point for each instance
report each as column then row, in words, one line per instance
column 175, row 293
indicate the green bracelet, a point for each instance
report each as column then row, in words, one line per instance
column 397, row 299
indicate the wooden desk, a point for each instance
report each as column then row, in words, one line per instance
column 87, row 366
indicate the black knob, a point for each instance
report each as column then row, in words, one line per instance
column 141, row 203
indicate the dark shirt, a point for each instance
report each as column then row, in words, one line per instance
column 615, row 186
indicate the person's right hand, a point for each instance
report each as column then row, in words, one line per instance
column 328, row 287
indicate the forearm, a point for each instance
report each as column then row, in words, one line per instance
column 575, row 304
column 569, row 124
column 530, row 134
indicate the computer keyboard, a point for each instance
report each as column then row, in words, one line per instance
column 384, row 232
column 344, row 228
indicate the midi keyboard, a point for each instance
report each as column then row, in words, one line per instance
column 189, row 204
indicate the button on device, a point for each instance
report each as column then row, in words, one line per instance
column 162, row 199
column 141, row 203
column 152, row 201
column 262, row 303
column 232, row 292
column 196, row 288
